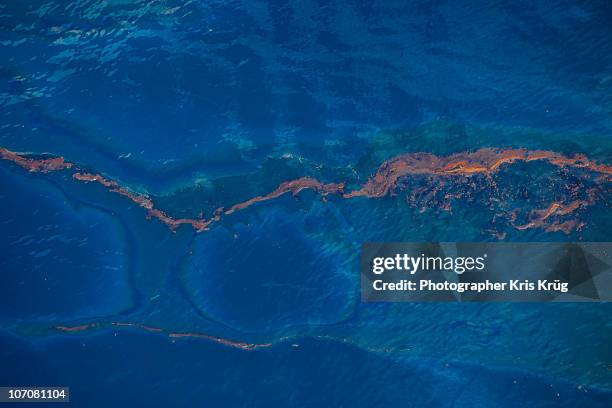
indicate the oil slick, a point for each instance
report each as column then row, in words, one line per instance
column 386, row 181
column 171, row 334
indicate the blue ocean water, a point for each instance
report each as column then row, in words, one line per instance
column 204, row 104
column 124, row 373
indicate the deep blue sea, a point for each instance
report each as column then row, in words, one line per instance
column 205, row 104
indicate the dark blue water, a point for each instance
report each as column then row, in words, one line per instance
column 122, row 369
column 205, row 104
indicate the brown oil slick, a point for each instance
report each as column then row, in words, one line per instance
column 72, row 329
column 144, row 202
column 483, row 161
column 539, row 218
column 35, row 165
column 293, row 186
column 171, row 334
column 385, row 181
